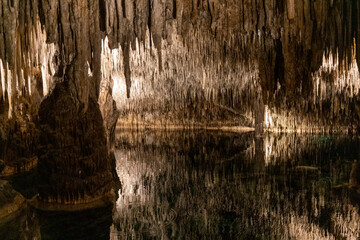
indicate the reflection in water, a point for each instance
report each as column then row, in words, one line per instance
column 90, row 224
column 213, row 185
column 229, row 186
column 38, row 225
column 24, row 225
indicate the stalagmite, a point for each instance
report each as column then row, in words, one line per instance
column 209, row 90
column 175, row 62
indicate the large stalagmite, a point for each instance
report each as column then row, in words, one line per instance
column 273, row 64
column 74, row 157
column 74, row 162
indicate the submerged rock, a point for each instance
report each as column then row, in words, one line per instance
column 18, row 166
column 10, row 201
column 354, row 182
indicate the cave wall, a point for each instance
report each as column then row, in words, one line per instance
column 75, row 163
column 192, row 61
column 213, row 54
column 182, row 61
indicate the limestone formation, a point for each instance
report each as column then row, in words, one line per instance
column 354, row 183
column 279, row 65
column 202, row 50
column 74, row 164
column 10, row 201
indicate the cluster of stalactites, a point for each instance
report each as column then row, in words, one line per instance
column 30, row 68
column 334, row 77
column 200, row 48
column 34, row 31
column 193, row 70
column 235, row 30
column 183, row 75
column 333, row 104
column 178, row 51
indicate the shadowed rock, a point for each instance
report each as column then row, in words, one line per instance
column 10, row 201
column 354, row 182
column 74, row 163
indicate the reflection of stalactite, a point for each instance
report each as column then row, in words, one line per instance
column 259, row 155
column 208, row 177
column 259, row 109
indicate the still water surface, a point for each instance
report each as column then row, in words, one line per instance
column 215, row 185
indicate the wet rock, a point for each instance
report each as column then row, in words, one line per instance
column 20, row 165
column 20, row 145
column 354, row 181
column 74, row 163
column 307, row 171
column 179, row 59
column 10, row 201
column 22, row 225
column 2, row 165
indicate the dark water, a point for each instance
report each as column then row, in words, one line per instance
column 211, row 185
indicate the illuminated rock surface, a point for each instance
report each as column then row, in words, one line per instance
column 71, row 71
column 191, row 62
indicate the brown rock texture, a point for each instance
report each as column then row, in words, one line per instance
column 179, row 61
column 10, row 201
column 19, row 139
column 74, row 163
column 354, row 183
column 206, row 52
column 210, row 53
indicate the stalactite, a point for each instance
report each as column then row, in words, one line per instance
column 3, row 80
column 109, row 68
column 286, row 34
column 169, row 47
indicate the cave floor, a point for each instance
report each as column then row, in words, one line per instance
column 196, row 184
